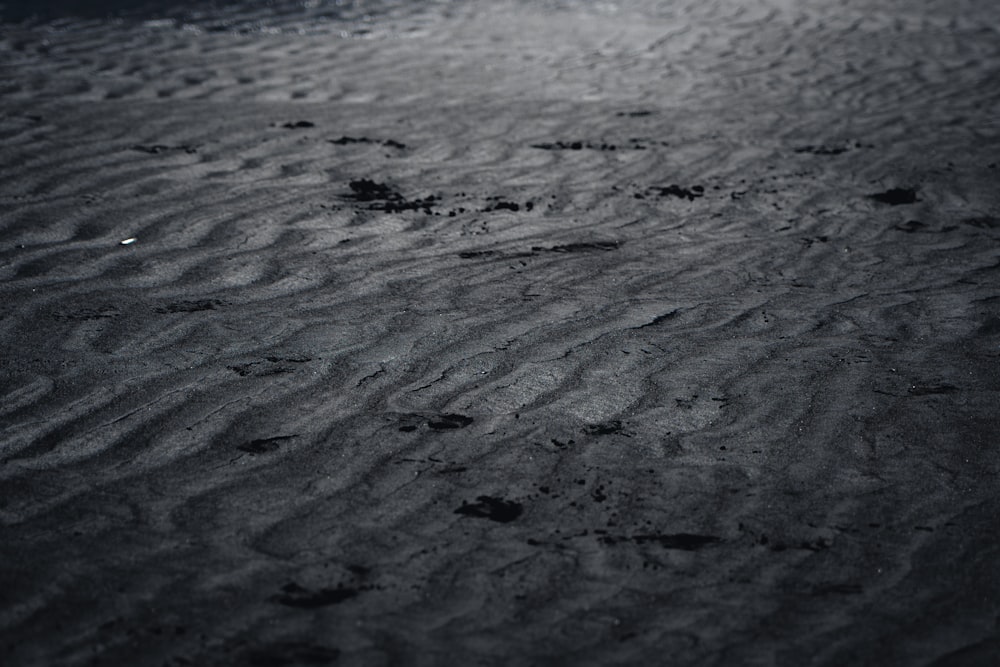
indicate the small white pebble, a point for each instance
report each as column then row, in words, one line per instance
column 129, row 241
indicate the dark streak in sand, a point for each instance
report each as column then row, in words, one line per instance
column 658, row 320
column 590, row 246
column 613, row 427
column 679, row 541
column 822, row 150
column 896, row 196
column 448, row 422
column 154, row 149
column 476, row 254
column 494, row 509
column 101, row 313
column 932, row 389
column 345, row 140
column 443, row 422
column 294, row 595
column 270, row 366
column 826, row 149
column 635, row 144
column 191, row 306
column 264, row 445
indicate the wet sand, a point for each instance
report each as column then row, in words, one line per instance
column 502, row 333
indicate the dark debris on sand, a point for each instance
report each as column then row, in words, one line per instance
column 191, row 306
column 633, row 144
column 380, row 197
column 346, row 141
column 613, row 427
column 831, row 149
column 822, row 150
column 156, row 149
column 494, row 509
column 691, row 193
column 504, row 205
column 896, row 196
column 448, row 422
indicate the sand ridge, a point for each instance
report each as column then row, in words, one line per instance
column 501, row 333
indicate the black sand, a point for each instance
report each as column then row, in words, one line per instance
column 502, row 333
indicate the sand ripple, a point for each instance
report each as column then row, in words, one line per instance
column 587, row 333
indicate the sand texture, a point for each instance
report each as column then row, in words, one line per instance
column 486, row 333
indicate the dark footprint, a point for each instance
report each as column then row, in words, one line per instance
column 298, row 125
column 494, row 509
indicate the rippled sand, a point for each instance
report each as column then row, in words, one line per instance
column 502, row 333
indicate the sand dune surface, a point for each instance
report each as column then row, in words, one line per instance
column 500, row 333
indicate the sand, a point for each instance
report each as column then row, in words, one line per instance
column 501, row 333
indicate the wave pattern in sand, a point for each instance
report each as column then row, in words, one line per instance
column 575, row 333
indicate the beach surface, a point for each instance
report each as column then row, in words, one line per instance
column 482, row 333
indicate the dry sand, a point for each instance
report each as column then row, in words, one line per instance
column 502, row 333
